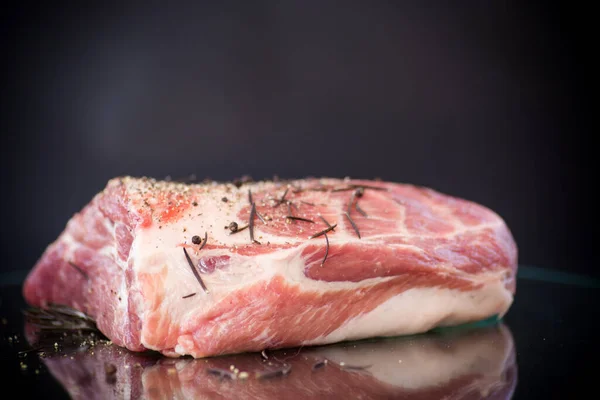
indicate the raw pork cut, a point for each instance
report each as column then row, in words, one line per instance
column 216, row 268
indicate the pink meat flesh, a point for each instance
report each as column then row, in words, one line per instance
column 423, row 259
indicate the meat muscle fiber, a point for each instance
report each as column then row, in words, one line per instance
column 395, row 259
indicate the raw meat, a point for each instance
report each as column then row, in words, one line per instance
column 417, row 259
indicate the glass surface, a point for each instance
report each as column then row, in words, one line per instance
column 539, row 350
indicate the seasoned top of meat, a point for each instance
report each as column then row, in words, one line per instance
column 290, row 212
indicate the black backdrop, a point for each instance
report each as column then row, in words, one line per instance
column 483, row 100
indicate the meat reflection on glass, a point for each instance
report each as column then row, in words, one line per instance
column 459, row 364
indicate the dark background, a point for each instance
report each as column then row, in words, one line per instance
column 483, row 100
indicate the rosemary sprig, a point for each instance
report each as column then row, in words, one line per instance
column 325, row 221
column 282, row 199
column 324, row 231
column 194, row 270
column 360, row 210
column 326, row 249
column 251, row 224
column 299, row 219
column 353, row 224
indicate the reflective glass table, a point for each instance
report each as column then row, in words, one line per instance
column 545, row 347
